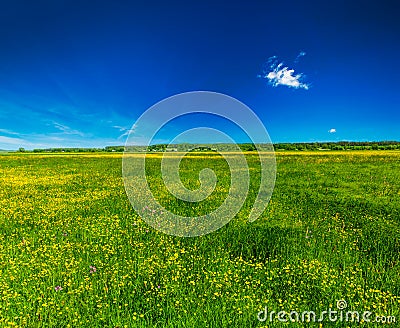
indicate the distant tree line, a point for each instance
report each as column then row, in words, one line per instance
column 303, row 146
column 341, row 145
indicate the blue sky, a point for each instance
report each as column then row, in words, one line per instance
column 79, row 73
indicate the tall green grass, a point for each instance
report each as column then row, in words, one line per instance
column 73, row 252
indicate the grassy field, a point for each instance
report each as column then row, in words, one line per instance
column 74, row 254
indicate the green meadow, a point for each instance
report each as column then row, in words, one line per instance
column 73, row 253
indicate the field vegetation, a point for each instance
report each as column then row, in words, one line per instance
column 73, row 253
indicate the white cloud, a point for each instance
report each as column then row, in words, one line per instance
column 11, row 141
column 120, row 128
column 301, row 54
column 278, row 74
column 58, row 135
column 67, row 130
column 332, row 131
column 9, row 132
column 285, row 76
column 126, row 131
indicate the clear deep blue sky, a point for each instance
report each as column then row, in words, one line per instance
column 79, row 73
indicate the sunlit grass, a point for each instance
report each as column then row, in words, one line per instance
column 331, row 232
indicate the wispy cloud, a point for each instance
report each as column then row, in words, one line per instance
column 276, row 73
column 120, row 128
column 67, row 130
column 301, row 54
column 9, row 132
column 32, row 141
column 126, row 131
column 332, row 131
column 11, row 141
